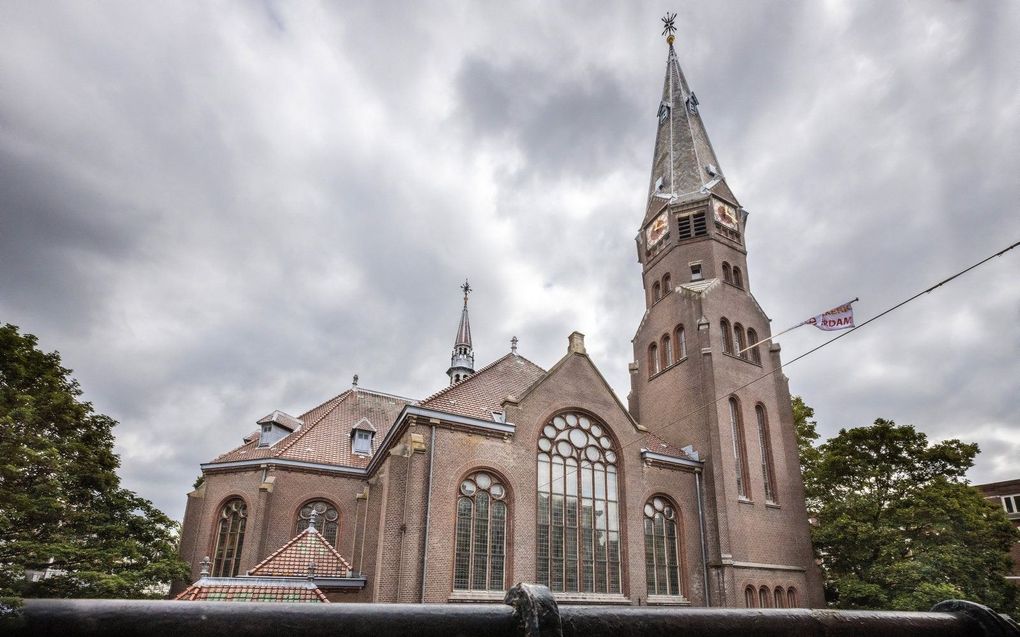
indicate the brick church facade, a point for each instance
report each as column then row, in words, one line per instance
column 688, row 495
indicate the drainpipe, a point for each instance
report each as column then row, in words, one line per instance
column 364, row 530
column 428, row 513
column 701, row 527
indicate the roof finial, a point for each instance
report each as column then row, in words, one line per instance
column 205, row 567
column 313, row 519
column 669, row 28
column 513, row 345
column 467, row 290
column 354, row 381
column 311, row 570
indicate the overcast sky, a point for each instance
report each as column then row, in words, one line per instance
column 214, row 210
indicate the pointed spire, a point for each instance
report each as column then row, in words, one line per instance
column 462, row 360
column 684, row 162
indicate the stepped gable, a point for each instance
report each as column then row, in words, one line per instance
column 292, row 559
column 231, row 589
column 483, row 392
column 326, row 435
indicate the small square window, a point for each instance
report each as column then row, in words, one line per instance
column 1007, row 501
column 696, row 272
column 362, row 441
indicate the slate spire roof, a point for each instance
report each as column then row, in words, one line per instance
column 464, row 329
column 684, row 162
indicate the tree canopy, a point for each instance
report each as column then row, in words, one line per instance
column 61, row 503
column 896, row 525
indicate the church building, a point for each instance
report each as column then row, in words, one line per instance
column 690, row 494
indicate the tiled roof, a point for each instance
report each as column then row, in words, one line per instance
column 484, row 391
column 230, row 589
column 326, row 435
column 292, row 559
column 656, row 444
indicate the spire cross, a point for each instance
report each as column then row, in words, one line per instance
column 467, row 290
column 513, row 345
column 668, row 28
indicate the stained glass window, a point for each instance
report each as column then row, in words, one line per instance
column 229, row 538
column 480, row 538
column 739, row 449
column 662, row 556
column 327, row 520
column 578, row 534
column 765, row 444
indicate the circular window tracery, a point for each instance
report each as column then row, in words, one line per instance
column 480, row 542
column 327, row 519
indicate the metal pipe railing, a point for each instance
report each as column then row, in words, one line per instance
column 530, row 611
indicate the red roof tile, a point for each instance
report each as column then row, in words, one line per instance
column 292, row 559
column 484, row 391
column 326, row 436
column 206, row 590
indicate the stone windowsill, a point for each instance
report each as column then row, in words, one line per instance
column 743, row 500
column 488, row 597
column 591, row 598
column 666, row 368
column 741, row 358
column 772, row 505
column 667, row 600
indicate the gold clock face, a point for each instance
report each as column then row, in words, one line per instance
column 657, row 230
column 726, row 215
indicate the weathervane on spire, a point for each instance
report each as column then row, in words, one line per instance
column 669, row 28
column 467, row 290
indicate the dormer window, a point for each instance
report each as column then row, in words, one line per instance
column 267, row 435
column 362, row 442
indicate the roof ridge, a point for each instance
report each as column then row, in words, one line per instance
column 385, row 394
column 324, row 403
column 294, row 540
column 476, row 374
column 344, row 395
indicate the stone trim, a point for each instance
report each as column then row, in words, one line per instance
column 488, row 597
column 591, row 598
column 667, row 600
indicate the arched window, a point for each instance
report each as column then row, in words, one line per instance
column 752, row 338
column 764, row 597
column 653, row 359
column 662, row 548
column 667, row 351
column 327, row 520
column 229, row 538
column 739, row 341
column 750, row 597
column 738, row 280
column 680, row 341
column 666, row 284
column 727, row 276
column 656, row 292
column 578, row 535
column 727, row 338
column 765, row 443
column 739, row 449
column 480, row 540
column 791, row 597
column 780, row 597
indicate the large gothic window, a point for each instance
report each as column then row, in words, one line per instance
column 229, row 538
column 578, row 537
column 480, row 551
column 662, row 552
column 327, row 520
column 739, row 449
column 764, row 442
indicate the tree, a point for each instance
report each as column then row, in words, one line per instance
column 899, row 528
column 61, row 503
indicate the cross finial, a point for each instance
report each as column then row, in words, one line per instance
column 668, row 28
column 205, row 567
column 467, row 290
column 513, row 345
column 354, row 381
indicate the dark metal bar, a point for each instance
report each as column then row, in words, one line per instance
column 532, row 612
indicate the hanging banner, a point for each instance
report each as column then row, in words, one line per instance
column 838, row 318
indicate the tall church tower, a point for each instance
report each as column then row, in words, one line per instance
column 698, row 377
column 462, row 359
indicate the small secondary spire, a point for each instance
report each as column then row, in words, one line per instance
column 462, row 360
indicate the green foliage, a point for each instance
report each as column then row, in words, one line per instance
column 61, row 503
column 898, row 527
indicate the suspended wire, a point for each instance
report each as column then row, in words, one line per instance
column 828, row 342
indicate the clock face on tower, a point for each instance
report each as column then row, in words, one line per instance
column 726, row 215
column 656, row 230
